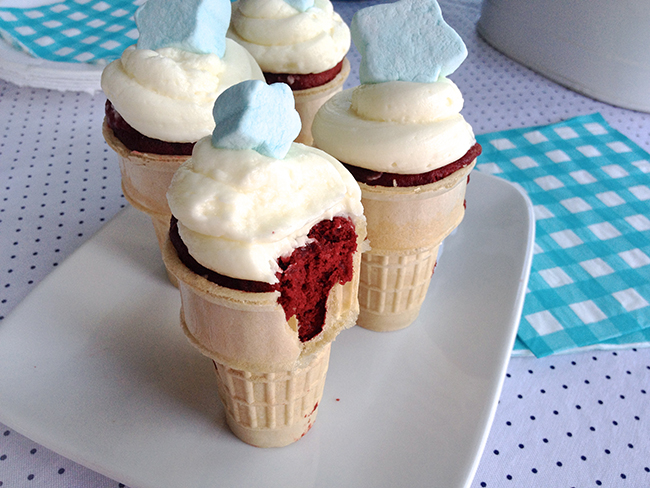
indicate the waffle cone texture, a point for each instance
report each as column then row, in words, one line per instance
column 308, row 101
column 273, row 409
column 145, row 180
column 406, row 226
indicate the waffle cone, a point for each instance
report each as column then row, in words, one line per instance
column 269, row 381
column 249, row 331
column 273, row 409
column 310, row 100
column 393, row 286
column 145, row 179
column 406, row 226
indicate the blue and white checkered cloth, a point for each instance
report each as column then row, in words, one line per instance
column 590, row 187
column 72, row 31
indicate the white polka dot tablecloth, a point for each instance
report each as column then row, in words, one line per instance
column 576, row 419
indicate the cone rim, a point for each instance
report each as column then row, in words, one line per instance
column 415, row 192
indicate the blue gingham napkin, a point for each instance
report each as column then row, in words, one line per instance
column 590, row 187
column 72, row 31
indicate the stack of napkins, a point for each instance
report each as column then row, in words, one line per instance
column 590, row 186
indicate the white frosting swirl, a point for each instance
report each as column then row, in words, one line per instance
column 395, row 127
column 168, row 94
column 239, row 211
column 285, row 40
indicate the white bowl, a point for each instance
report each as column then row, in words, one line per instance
column 600, row 48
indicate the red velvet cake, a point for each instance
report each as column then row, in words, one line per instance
column 136, row 141
column 307, row 276
column 378, row 178
column 304, row 81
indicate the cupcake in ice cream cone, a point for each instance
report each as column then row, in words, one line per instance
column 402, row 136
column 265, row 242
column 302, row 43
column 160, row 94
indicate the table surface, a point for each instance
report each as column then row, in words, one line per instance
column 573, row 420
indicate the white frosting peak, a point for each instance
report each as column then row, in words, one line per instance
column 407, row 102
column 395, row 127
column 239, row 210
column 168, row 94
column 285, row 40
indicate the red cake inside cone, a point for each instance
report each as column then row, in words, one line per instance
column 136, row 141
column 378, row 178
column 303, row 82
column 307, row 275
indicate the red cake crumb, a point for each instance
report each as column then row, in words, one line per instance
column 307, row 275
column 309, row 426
column 311, row 271
column 302, row 82
column 312, row 410
column 136, row 141
column 378, row 178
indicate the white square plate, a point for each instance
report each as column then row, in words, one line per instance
column 94, row 366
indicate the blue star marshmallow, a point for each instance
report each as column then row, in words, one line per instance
column 406, row 41
column 254, row 115
column 300, row 5
column 197, row 26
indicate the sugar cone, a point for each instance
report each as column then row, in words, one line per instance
column 145, row 179
column 310, row 100
column 273, row 409
column 393, row 287
column 406, row 226
column 269, row 381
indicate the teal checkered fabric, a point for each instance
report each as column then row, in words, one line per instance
column 72, row 31
column 590, row 187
